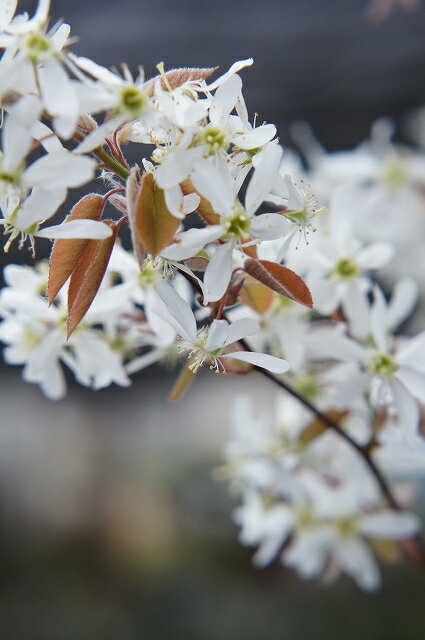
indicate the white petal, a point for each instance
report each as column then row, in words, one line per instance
column 214, row 182
column 264, row 177
column 414, row 380
column 16, row 141
column 61, row 35
column 331, row 343
column 403, row 300
column 356, row 309
column 407, row 409
column 174, row 201
column 7, row 11
column 342, row 213
column 240, row 329
column 16, row 136
column 175, row 168
column 43, row 366
column 263, row 360
column 144, row 361
column 190, row 242
column 185, row 269
column 178, row 204
column 308, row 552
column 413, row 353
column 389, row 525
column 77, row 229
column 97, row 71
column 97, row 137
column 94, row 98
column 49, row 141
column 256, row 137
column 356, row 559
column 235, row 68
column 179, row 310
column 224, row 100
column 38, row 19
column 59, row 97
column 60, row 169
column 378, row 319
column 376, row 255
column 165, row 333
column 40, row 205
column 218, row 272
column 216, row 335
column 191, row 202
column 292, row 194
column 269, row 226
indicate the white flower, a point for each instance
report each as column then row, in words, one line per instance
column 124, row 96
column 35, row 335
column 340, row 260
column 241, row 226
column 201, row 153
column 34, row 62
column 301, row 208
column 393, row 371
column 318, row 526
column 29, row 197
column 208, row 343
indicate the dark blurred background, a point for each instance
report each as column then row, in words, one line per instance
column 112, row 524
column 320, row 60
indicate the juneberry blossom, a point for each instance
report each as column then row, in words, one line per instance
column 208, row 344
column 211, row 280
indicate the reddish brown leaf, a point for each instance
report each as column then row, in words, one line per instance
column 177, row 77
column 256, row 295
column 317, row 427
column 153, row 224
column 86, row 122
column 197, row 263
column 132, row 189
column 388, row 551
column 87, row 277
column 205, row 208
column 66, row 253
column 251, row 251
column 279, row 279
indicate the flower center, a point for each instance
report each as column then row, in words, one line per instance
column 346, row 269
column 149, row 275
column 309, row 208
column 7, row 177
column 346, row 527
column 394, row 174
column 37, row 46
column 215, row 140
column 305, row 518
column 30, row 339
column 237, row 226
column 15, row 232
column 308, row 386
column 198, row 354
column 132, row 101
column 383, row 365
column 119, row 343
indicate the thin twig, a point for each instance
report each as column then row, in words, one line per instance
column 334, row 426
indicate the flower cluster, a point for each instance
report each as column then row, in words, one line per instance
column 232, row 288
column 307, row 495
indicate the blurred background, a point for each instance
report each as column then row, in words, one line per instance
column 112, row 525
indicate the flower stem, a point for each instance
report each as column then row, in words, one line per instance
column 334, row 426
column 111, row 163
